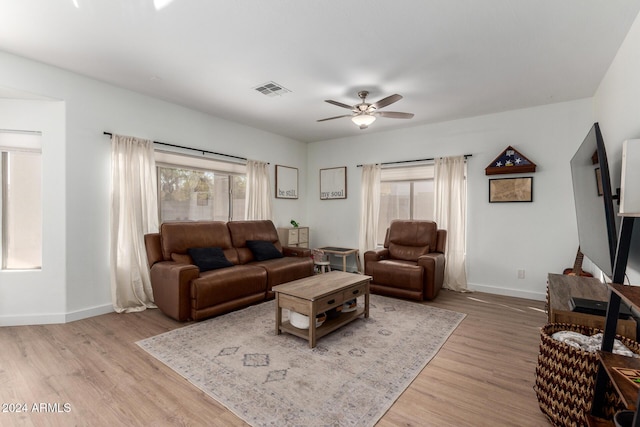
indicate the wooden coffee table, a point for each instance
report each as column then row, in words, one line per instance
column 317, row 294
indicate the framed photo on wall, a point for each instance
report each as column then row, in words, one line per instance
column 511, row 190
column 333, row 183
column 599, row 182
column 286, row 182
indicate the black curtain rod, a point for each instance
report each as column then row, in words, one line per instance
column 413, row 161
column 192, row 149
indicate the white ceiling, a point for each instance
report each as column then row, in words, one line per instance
column 448, row 58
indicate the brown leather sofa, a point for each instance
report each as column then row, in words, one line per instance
column 184, row 292
column 411, row 264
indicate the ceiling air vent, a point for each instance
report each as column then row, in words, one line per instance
column 272, row 89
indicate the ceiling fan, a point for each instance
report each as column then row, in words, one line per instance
column 364, row 114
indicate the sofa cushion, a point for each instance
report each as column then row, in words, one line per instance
column 209, row 258
column 177, row 237
column 241, row 231
column 407, row 240
column 181, row 258
column 397, row 273
column 227, row 284
column 407, row 253
column 285, row 269
column 263, row 250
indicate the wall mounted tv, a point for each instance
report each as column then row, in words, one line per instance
column 597, row 231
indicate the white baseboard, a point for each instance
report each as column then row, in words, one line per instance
column 48, row 319
column 88, row 312
column 31, row 319
column 537, row 296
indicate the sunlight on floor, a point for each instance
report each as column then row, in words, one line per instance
column 493, row 303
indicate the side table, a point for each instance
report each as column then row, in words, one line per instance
column 344, row 253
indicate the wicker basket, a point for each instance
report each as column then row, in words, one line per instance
column 565, row 377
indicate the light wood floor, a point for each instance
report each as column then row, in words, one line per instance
column 483, row 375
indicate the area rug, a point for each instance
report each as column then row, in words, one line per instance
column 351, row 378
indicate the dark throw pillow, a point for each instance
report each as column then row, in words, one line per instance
column 263, row 250
column 209, row 258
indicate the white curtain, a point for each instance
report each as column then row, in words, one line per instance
column 369, row 208
column 450, row 213
column 134, row 213
column 258, row 193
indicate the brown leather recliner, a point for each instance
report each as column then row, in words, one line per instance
column 411, row 264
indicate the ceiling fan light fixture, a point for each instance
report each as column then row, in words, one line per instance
column 363, row 119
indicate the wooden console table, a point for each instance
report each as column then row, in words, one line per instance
column 561, row 287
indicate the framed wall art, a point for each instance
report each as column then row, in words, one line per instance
column 599, row 182
column 286, row 182
column 333, row 183
column 511, row 190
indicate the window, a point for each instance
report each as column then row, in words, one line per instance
column 405, row 193
column 21, row 200
column 194, row 189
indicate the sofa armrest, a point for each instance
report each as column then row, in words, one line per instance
column 433, row 264
column 171, row 283
column 297, row 252
column 376, row 254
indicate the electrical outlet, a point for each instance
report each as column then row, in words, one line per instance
column 520, row 274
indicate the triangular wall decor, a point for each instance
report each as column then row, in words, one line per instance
column 510, row 161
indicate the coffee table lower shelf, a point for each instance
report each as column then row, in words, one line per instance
column 327, row 327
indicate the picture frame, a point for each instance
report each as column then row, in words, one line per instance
column 286, row 182
column 599, row 182
column 506, row 190
column 333, row 183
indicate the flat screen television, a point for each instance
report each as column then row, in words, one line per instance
column 597, row 231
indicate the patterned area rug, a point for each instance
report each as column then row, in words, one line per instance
column 351, row 378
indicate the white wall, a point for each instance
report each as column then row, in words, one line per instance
column 539, row 237
column 617, row 103
column 78, row 163
column 25, row 295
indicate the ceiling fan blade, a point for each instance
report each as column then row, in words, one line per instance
column 387, row 101
column 394, row 114
column 339, row 104
column 336, row 117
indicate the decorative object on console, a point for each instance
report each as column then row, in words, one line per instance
column 286, row 182
column 294, row 223
column 577, row 266
column 510, row 161
column 333, row 183
column 511, row 190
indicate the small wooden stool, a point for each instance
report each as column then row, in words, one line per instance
column 321, row 261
